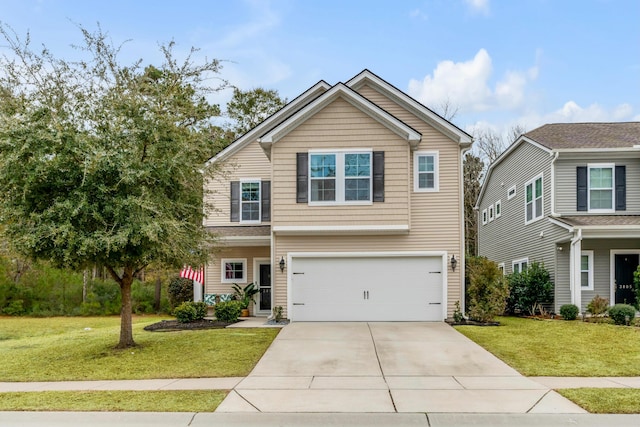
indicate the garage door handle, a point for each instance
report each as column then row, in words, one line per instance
column 298, row 303
column 434, row 303
column 435, row 272
column 298, row 273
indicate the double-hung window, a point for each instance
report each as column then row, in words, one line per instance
column 601, row 188
column 340, row 177
column 250, row 201
column 425, row 171
column 520, row 265
column 586, row 270
column 534, row 206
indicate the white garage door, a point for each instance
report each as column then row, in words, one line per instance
column 371, row 288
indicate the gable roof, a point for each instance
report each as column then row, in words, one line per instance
column 559, row 136
column 341, row 91
column 294, row 105
column 366, row 77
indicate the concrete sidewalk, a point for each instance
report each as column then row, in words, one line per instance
column 168, row 419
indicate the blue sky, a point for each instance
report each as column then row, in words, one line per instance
column 500, row 62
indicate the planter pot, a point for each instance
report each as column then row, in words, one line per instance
column 244, row 312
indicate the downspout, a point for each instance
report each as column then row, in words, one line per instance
column 553, row 184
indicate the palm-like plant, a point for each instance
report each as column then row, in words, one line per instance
column 245, row 295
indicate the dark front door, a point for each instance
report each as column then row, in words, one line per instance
column 626, row 264
column 264, row 283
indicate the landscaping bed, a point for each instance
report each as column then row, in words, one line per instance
column 174, row 325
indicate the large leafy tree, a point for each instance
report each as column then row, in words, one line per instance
column 248, row 108
column 103, row 163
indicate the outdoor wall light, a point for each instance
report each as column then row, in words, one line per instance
column 454, row 262
column 282, row 264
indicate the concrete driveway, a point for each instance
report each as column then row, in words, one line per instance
column 386, row 367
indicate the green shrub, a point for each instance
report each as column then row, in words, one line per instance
column 621, row 312
column 228, row 311
column 15, row 308
column 277, row 313
column 529, row 290
column 486, row 289
column 598, row 306
column 180, row 290
column 636, row 283
column 185, row 312
column 569, row 312
column 201, row 310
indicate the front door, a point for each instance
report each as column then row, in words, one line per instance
column 625, row 264
column 264, row 285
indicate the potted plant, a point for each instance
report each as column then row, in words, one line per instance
column 245, row 296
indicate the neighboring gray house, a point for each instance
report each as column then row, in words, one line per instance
column 567, row 195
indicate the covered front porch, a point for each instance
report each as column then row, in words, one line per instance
column 600, row 258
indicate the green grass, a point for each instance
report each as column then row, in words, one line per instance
column 63, row 349
column 114, row 401
column 561, row 348
column 605, row 400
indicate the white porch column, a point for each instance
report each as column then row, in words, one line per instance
column 575, row 270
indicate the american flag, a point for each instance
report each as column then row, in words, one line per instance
column 189, row 273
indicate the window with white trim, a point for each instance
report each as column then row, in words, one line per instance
column 501, row 268
column 511, row 192
column 519, row 265
column 340, row 177
column 498, row 208
column 601, row 184
column 234, row 270
column 491, row 215
column 484, row 216
column 425, row 171
column 250, row 201
column 586, row 270
column 533, row 203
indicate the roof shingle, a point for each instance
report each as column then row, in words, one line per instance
column 587, row 135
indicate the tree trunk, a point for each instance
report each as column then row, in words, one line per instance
column 156, row 304
column 85, row 275
column 126, row 329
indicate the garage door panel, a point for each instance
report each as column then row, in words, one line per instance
column 367, row 288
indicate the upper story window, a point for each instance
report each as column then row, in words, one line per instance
column 498, row 208
column 250, row 201
column 340, row 177
column 425, row 171
column 511, row 192
column 491, row 215
column 601, row 185
column 533, row 200
column 601, row 188
column 484, row 217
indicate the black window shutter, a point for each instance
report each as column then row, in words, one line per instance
column 581, row 189
column 235, row 201
column 378, row 176
column 621, row 188
column 302, row 177
column 265, row 202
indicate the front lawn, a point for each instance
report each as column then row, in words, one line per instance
column 605, row 400
column 82, row 348
column 114, row 401
column 561, row 348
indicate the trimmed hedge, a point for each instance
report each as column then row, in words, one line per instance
column 228, row 311
column 620, row 312
column 569, row 311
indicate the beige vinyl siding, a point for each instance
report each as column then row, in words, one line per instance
column 507, row 238
column 248, row 163
column 213, row 274
column 566, row 183
column 340, row 126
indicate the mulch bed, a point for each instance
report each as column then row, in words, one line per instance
column 174, row 325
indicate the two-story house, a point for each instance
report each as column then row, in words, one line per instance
column 345, row 205
column 567, row 195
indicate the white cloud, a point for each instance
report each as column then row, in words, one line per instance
column 466, row 85
column 478, row 6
